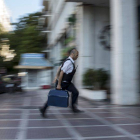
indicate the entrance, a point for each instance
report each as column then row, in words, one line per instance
column 32, row 78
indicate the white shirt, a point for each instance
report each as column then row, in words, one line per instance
column 68, row 66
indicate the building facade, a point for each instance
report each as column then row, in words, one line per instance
column 4, row 17
column 106, row 34
column 36, row 69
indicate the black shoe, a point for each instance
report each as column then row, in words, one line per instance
column 75, row 110
column 42, row 112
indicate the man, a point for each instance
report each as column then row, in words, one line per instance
column 63, row 80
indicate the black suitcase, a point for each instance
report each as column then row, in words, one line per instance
column 59, row 98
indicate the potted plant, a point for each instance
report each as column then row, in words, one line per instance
column 95, row 84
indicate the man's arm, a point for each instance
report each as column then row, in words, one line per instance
column 57, row 75
column 60, row 80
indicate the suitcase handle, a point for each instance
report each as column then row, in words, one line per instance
column 61, row 89
column 58, row 89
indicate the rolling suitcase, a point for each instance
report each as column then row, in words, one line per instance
column 59, row 98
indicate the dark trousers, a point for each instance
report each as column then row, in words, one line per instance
column 69, row 87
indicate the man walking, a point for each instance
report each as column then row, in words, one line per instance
column 63, row 80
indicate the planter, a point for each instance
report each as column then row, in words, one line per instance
column 93, row 94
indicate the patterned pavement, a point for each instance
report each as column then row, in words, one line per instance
column 21, row 120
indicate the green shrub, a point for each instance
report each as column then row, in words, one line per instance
column 89, row 77
column 68, row 40
column 97, row 78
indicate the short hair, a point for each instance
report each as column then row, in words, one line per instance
column 73, row 51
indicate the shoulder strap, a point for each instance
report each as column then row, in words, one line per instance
column 64, row 62
column 72, row 64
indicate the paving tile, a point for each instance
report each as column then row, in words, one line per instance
column 134, row 129
column 10, row 107
column 109, row 114
column 85, row 122
column 127, row 109
column 65, row 111
column 9, row 123
column 69, row 139
column 81, row 115
column 122, row 120
column 10, row 111
column 8, row 133
column 37, row 111
column 47, row 133
column 37, row 101
column 97, row 131
column 44, row 123
column 135, row 114
column 10, row 117
column 12, row 104
column 86, row 106
column 36, row 104
column 98, row 110
column 49, row 116
column 119, row 138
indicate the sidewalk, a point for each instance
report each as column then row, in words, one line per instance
column 20, row 119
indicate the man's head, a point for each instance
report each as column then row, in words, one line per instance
column 74, row 54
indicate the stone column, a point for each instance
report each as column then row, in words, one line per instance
column 85, row 41
column 124, row 54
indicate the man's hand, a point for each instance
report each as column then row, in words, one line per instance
column 54, row 81
column 58, row 87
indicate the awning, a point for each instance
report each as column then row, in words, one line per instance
column 34, row 61
column 31, row 67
